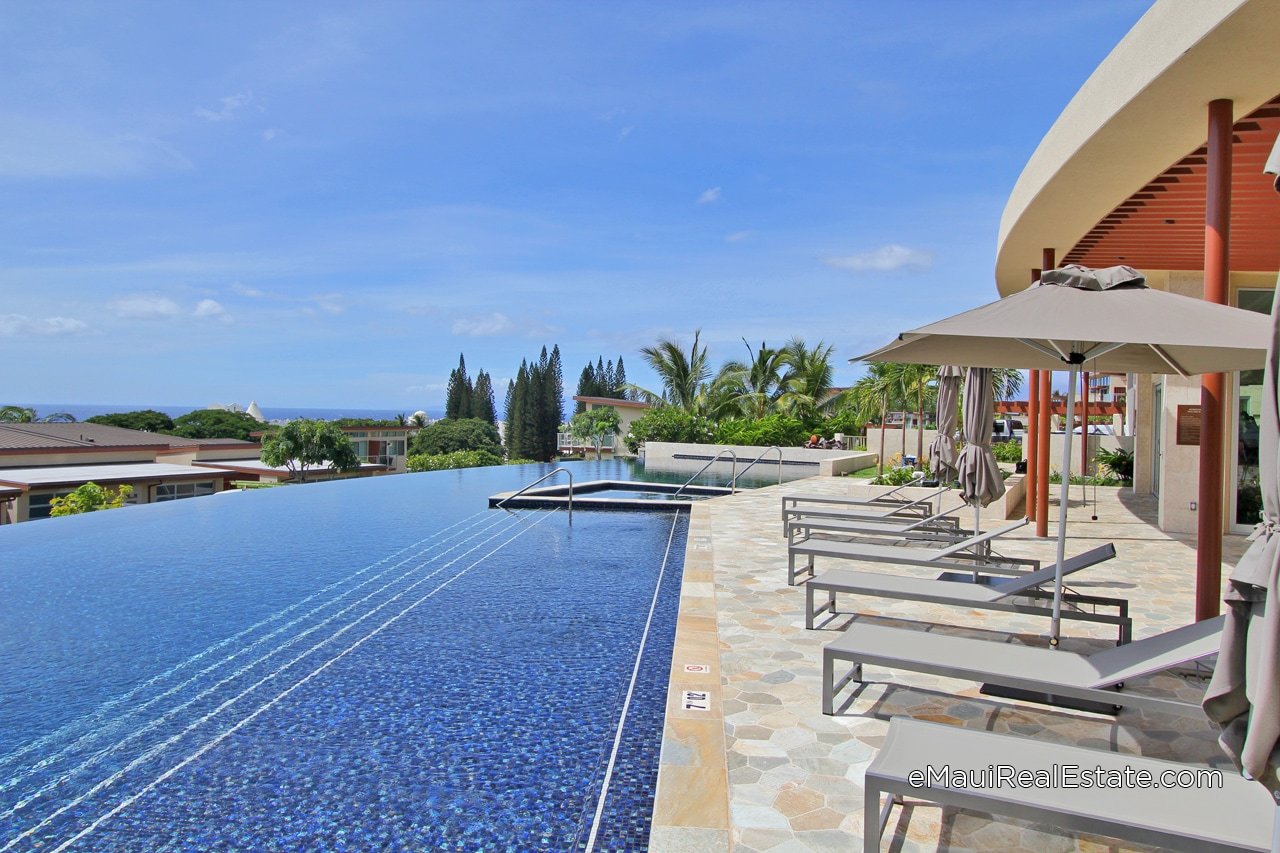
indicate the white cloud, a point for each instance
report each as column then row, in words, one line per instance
column 710, row 196
column 485, row 326
column 213, row 309
column 231, row 105
column 885, row 259
column 737, row 236
column 246, row 290
column 498, row 324
column 12, row 325
column 270, row 133
column 144, row 307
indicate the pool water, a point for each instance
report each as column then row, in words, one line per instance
column 376, row 664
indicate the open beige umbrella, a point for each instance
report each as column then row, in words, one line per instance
column 1108, row 319
column 942, row 450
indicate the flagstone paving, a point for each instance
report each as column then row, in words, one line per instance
column 762, row 769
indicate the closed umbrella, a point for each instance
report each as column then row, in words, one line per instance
column 1107, row 318
column 942, row 450
column 980, row 479
column 1244, row 693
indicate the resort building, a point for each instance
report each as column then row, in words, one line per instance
column 41, row 461
column 629, row 411
column 1157, row 163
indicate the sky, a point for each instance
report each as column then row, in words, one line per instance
column 319, row 204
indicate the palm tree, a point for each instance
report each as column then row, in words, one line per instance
column 683, row 375
column 24, row 415
column 1006, row 382
column 756, row 384
column 870, row 397
column 418, row 419
column 915, row 382
column 807, row 381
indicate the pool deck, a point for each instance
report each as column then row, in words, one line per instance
column 749, row 762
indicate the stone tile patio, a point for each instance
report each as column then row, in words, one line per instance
column 751, row 764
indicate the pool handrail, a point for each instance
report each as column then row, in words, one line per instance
column 757, row 459
column 544, row 477
column 733, row 482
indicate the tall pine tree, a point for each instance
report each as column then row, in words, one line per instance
column 620, row 382
column 482, row 398
column 508, row 406
column 458, row 396
column 518, row 398
column 553, row 403
column 586, row 387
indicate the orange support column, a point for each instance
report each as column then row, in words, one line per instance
column 1033, row 430
column 1084, row 423
column 1033, row 438
column 1213, row 386
column 1047, row 262
column 1042, row 454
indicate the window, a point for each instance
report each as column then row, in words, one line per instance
column 38, row 504
column 178, row 491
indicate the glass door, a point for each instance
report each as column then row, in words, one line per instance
column 1245, row 414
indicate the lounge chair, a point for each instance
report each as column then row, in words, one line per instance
column 1021, row 594
column 975, row 551
column 1097, row 677
column 884, row 504
column 940, row 527
column 1237, row 815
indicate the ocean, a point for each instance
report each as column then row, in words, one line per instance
column 81, row 411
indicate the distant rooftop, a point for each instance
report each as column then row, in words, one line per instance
column 56, row 436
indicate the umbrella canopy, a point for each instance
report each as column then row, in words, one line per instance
column 980, row 479
column 942, row 450
column 1244, row 694
column 1108, row 319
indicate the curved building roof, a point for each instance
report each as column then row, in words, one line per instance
column 1137, row 123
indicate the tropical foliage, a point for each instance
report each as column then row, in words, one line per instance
column 147, row 420
column 304, row 444
column 667, row 423
column 452, row 435
column 90, row 497
column 25, row 415
column 776, row 429
column 216, row 423
column 449, row 461
column 595, row 425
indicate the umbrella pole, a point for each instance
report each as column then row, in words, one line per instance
column 1063, row 495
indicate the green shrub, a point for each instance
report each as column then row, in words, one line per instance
column 667, row 423
column 1119, row 461
column 1008, row 451
column 1092, row 480
column 770, row 430
column 894, row 477
column 449, row 435
column 448, row 461
column 846, row 422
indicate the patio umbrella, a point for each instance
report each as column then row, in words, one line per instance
column 980, row 479
column 942, row 450
column 1107, row 318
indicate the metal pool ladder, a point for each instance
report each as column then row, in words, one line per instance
column 546, row 476
column 733, row 484
column 757, row 459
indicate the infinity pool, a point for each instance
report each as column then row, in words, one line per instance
column 371, row 664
